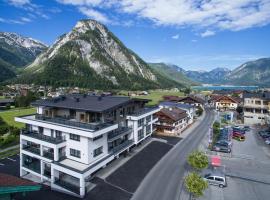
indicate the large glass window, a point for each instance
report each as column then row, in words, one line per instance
column 74, row 137
column 98, row 151
column 140, row 122
column 75, row 153
column 140, row 134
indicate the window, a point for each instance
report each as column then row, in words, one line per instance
column 140, row 122
column 148, row 129
column 140, row 134
column 210, row 178
column 219, row 179
column 148, row 118
column 98, row 151
column 74, row 137
column 75, row 153
column 58, row 134
column 40, row 130
column 98, row 137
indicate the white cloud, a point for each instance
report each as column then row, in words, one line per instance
column 18, row 2
column 214, row 14
column 207, row 33
column 25, row 19
column 175, row 37
column 194, row 40
column 94, row 14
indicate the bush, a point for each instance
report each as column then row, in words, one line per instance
column 198, row 160
column 199, row 111
column 195, row 184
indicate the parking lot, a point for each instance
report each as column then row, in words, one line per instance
column 119, row 185
column 247, row 171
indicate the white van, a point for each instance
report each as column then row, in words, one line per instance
column 216, row 179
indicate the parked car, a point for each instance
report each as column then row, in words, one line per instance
column 216, row 179
column 246, row 128
column 267, row 141
column 239, row 137
column 222, row 148
column 264, row 134
column 224, row 142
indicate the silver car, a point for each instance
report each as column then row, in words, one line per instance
column 216, row 179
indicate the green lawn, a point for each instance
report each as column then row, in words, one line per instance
column 157, row 96
column 8, row 116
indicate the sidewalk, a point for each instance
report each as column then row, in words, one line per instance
column 192, row 127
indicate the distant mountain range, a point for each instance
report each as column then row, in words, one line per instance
column 91, row 56
column 251, row 73
column 173, row 72
column 17, row 51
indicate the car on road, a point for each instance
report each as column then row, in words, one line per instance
column 264, row 134
column 216, row 179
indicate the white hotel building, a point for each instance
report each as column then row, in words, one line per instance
column 71, row 137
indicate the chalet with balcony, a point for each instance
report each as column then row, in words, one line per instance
column 171, row 121
column 224, row 102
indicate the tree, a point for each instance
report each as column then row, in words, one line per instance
column 199, row 111
column 195, row 184
column 198, row 160
column 187, row 91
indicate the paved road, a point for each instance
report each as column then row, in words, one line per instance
column 165, row 179
column 10, row 148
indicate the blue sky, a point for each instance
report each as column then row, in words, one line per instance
column 194, row 34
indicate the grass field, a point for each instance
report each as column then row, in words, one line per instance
column 8, row 116
column 157, row 96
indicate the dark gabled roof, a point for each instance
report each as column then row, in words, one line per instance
column 260, row 95
column 13, row 181
column 194, row 98
column 175, row 114
column 217, row 98
column 90, row 103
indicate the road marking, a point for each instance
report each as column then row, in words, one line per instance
column 11, row 159
column 1, row 164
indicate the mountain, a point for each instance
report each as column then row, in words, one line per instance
column 215, row 76
column 17, row 51
column 172, row 72
column 251, row 73
column 92, row 56
column 6, row 73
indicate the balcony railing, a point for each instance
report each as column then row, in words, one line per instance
column 122, row 146
column 67, row 185
column 143, row 111
column 118, row 132
column 47, row 173
column 48, row 154
column 35, row 166
column 31, row 149
column 54, row 140
column 70, row 122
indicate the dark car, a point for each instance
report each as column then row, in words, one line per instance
column 264, row 134
column 224, row 142
column 222, row 148
column 246, row 128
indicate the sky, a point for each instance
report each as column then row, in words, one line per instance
column 193, row 34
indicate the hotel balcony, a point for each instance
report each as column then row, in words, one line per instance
column 31, row 149
column 115, row 134
column 71, row 122
column 53, row 140
column 121, row 147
